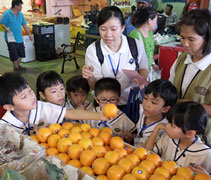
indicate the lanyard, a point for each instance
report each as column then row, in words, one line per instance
column 175, row 155
column 103, row 123
column 117, row 69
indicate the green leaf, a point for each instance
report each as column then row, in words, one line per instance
column 12, row 175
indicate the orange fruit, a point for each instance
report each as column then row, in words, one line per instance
column 106, row 129
column 122, row 152
column 100, row 166
column 87, row 157
column 76, row 129
column 43, row 134
column 64, row 157
column 52, row 151
column 134, row 158
column 129, row 177
column 201, row 176
column 171, row 166
column 63, row 144
column 185, row 172
column 67, row 125
column 141, row 153
column 115, row 172
column 106, row 136
column 108, row 148
column 88, row 170
column 86, row 135
column 126, row 164
column 75, row 137
column 128, row 149
column 148, row 165
column 86, row 143
column 34, row 138
column 110, row 110
column 177, row 177
column 77, row 124
column 116, row 142
column 112, row 157
column 74, row 151
column 53, row 139
column 64, row 133
column 155, row 158
column 85, row 127
column 140, row 173
column 102, row 177
column 163, row 171
column 55, row 128
column 157, row 177
column 99, row 151
column 97, row 141
column 94, row 132
column 75, row 162
column 45, row 145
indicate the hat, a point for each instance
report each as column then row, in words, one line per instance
column 143, row 1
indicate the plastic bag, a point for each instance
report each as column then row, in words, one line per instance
column 153, row 74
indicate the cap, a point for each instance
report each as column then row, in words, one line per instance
column 143, row 1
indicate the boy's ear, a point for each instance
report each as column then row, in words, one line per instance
column 8, row 107
column 166, row 109
column 42, row 95
column 190, row 134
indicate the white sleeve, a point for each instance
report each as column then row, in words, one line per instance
column 172, row 72
column 160, row 145
column 142, row 57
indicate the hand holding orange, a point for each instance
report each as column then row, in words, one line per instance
column 110, row 110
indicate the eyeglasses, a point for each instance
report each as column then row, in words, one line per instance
column 105, row 101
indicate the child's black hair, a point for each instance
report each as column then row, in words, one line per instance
column 107, row 84
column 10, row 85
column 47, row 79
column 76, row 83
column 163, row 88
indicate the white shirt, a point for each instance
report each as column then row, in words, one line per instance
column 124, row 55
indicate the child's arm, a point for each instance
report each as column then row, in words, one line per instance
column 198, row 169
column 151, row 141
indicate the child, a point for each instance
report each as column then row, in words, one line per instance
column 181, row 142
column 77, row 89
column 24, row 111
column 108, row 90
column 50, row 87
column 159, row 96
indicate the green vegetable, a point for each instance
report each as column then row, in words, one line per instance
column 12, row 175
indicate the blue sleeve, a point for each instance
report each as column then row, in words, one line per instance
column 4, row 19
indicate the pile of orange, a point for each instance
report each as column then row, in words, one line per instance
column 98, row 153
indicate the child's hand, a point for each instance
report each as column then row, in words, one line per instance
column 127, row 136
column 161, row 126
column 103, row 117
column 80, row 106
column 87, row 71
column 198, row 169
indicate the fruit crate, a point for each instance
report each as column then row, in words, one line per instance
column 43, row 29
column 45, row 56
column 44, row 39
column 45, row 47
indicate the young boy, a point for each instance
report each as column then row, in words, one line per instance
column 159, row 96
column 108, row 90
column 24, row 111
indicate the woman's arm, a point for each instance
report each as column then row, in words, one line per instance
column 87, row 72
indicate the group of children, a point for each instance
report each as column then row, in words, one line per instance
column 170, row 129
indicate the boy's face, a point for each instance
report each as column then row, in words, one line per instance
column 77, row 98
column 106, row 97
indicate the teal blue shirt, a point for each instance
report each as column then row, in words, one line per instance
column 15, row 24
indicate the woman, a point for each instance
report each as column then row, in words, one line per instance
column 116, row 52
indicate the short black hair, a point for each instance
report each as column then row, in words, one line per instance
column 107, row 12
column 107, row 84
column 10, row 85
column 200, row 19
column 170, row 6
column 163, row 88
column 16, row 3
column 76, row 83
column 47, row 79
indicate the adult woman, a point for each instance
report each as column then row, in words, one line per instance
column 116, row 52
column 191, row 72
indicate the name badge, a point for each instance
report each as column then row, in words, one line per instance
column 131, row 61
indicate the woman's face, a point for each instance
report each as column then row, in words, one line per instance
column 152, row 23
column 111, row 32
column 191, row 41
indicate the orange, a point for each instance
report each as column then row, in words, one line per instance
column 63, row 144
column 45, row 145
column 64, row 157
column 155, row 158
column 86, row 143
column 141, row 153
column 185, row 172
column 177, row 177
column 74, row 151
column 76, row 129
column 126, row 164
column 106, row 129
column 128, row 149
column 108, row 148
column 43, row 134
column 97, row 141
column 87, row 157
column 129, row 177
column 112, row 157
column 163, row 171
column 115, row 172
column 85, row 127
column 75, row 162
column 122, row 152
column 110, row 110
column 134, row 158
column 55, row 128
column 202, row 176
column 140, row 173
column 52, row 151
column 100, row 166
column 116, row 142
column 106, row 136
column 88, row 170
column 53, row 139
column 171, row 166
column 86, row 135
column 102, row 177
column 67, row 125
column 157, row 177
column 94, row 131
column 75, row 137
column 64, row 133
column 148, row 165
column 99, row 151
column 34, row 138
